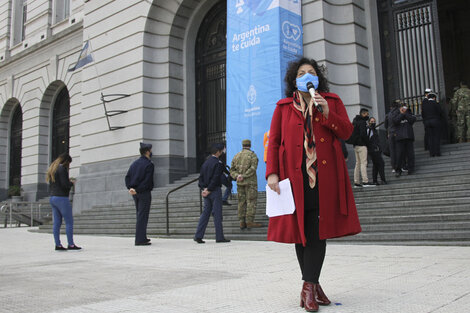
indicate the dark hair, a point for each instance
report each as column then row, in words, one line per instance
column 363, row 110
column 216, row 147
column 144, row 150
column 432, row 96
column 291, row 75
column 65, row 157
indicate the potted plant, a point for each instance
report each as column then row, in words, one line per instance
column 14, row 191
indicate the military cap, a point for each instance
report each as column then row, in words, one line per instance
column 218, row 146
column 246, row 143
column 427, row 90
column 145, row 146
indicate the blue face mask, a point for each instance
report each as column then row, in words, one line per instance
column 304, row 79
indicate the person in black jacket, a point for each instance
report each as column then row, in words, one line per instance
column 432, row 114
column 139, row 182
column 360, row 140
column 59, row 187
column 210, row 184
column 404, row 136
column 375, row 152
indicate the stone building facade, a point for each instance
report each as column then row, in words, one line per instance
column 145, row 49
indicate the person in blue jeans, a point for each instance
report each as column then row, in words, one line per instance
column 210, row 184
column 59, row 189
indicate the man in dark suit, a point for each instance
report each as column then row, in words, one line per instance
column 139, row 181
column 210, row 184
column 432, row 114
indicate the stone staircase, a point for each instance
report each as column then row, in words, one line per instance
column 430, row 207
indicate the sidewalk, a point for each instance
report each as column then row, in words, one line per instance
column 112, row 275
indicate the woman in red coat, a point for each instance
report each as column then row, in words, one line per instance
column 304, row 146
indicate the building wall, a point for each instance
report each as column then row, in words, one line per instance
column 145, row 49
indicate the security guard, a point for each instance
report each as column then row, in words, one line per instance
column 139, row 181
column 432, row 115
column 210, row 184
column 243, row 170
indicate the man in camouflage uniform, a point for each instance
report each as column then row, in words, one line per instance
column 243, row 170
column 462, row 101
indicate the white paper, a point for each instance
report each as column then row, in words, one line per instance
column 282, row 204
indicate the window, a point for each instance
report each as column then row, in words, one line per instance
column 20, row 10
column 61, row 10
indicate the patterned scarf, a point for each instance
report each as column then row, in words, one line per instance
column 309, row 138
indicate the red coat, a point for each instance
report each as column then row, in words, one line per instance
column 338, row 213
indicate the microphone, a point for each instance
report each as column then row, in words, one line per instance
column 311, row 90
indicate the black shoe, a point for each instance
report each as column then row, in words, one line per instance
column 145, row 243
column 147, row 240
column 199, row 240
column 60, row 248
column 357, row 185
column 74, row 247
column 225, row 202
column 369, row 184
column 223, row 240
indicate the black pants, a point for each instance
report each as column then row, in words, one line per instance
column 142, row 206
column 311, row 256
column 405, row 151
column 433, row 134
column 378, row 165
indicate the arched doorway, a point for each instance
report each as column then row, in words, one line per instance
column 210, row 80
column 16, row 133
column 60, row 124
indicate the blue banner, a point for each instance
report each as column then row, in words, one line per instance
column 262, row 37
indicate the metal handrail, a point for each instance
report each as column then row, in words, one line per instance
column 8, row 209
column 168, row 204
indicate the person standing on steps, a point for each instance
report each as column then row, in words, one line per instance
column 243, row 170
column 403, row 120
column 432, row 114
column 304, row 146
column 139, row 182
column 360, row 141
column 375, row 152
column 59, row 187
column 210, row 185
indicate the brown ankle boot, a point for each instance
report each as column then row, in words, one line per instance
column 307, row 298
column 320, row 296
column 253, row 225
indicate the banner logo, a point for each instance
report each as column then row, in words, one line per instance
column 251, row 95
column 291, row 31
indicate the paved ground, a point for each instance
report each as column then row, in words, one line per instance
column 112, row 275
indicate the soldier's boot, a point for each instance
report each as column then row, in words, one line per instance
column 253, row 225
column 242, row 225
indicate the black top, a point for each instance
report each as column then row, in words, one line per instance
column 431, row 111
column 359, row 136
column 211, row 171
column 140, row 175
column 404, row 125
column 62, row 185
column 374, row 140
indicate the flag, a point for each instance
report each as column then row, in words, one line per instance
column 84, row 58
